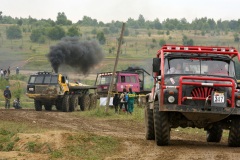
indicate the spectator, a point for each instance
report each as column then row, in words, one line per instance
column 16, row 103
column 7, row 94
column 17, row 70
column 176, row 69
column 5, row 72
column 8, row 71
column 1, row 72
column 116, row 102
column 131, row 98
column 123, row 102
column 217, row 68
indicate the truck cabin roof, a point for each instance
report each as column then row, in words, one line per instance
column 203, row 51
column 198, row 56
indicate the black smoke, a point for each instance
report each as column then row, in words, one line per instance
column 80, row 55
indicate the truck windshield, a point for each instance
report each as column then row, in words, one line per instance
column 43, row 79
column 200, row 66
column 106, row 79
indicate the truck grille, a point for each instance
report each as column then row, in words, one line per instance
column 202, row 92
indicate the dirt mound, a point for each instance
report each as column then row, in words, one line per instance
column 41, row 142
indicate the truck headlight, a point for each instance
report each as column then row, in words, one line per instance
column 31, row 89
column 171, row 99
column 238, row 103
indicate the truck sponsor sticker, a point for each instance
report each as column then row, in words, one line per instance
column 172, row 80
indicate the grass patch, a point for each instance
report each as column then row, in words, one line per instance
column 99, row 112
column 89, row 146
column 31, row 146
column 56, row 154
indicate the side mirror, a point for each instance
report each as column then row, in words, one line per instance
column 156, row 64
column 238, row 84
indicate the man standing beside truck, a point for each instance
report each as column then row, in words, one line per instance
column 123, row 101
column 7, row 94
column 131, row 98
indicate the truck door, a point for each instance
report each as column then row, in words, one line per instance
column 64, row 83
column 135, row 83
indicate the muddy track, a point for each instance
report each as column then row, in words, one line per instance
column 131, row 134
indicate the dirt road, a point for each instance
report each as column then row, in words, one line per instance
column 131, row 134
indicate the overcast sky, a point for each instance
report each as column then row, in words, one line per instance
column 121, row 10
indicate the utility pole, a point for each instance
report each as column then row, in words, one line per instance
column 114, row 69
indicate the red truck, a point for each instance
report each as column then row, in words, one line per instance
column 195, row 86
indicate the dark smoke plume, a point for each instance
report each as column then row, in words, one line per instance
column 81, row 56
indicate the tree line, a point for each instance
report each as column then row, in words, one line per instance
column 204, row 23
column 46, row 28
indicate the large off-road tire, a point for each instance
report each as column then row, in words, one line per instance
column 149, row 123
column 161, row 126
column 48, row 107
column 84, row 102
column 59, row 104
column 234, row 134
column 38, row 105
column 214, row 134
column 65, row 103
column 73, row 103
column 93, row 101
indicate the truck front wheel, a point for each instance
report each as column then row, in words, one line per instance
column 58, row 104
column 214, row 134
column 234, row 134
column 149, row 124
column 161, row 126
column 48, row 107
column 38, row 105
column 65, row 103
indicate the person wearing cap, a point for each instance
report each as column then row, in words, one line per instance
column 7, row 94
column 17, row 70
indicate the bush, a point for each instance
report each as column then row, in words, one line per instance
column 3, row 83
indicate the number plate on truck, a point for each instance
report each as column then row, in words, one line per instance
column 219, row 99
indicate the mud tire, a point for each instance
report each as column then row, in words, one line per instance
column 161, row 126
column 84, row 103
column 73, row 103
column 65, row 103
column 48, row 107
column 59, row 104
column 93, row 101
column 214, row 134
column 234, row 134
column 149, row 123
column 38, row 105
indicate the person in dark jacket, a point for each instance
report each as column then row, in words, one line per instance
column 7, row 94
column 116, row 102
column 123, row 102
